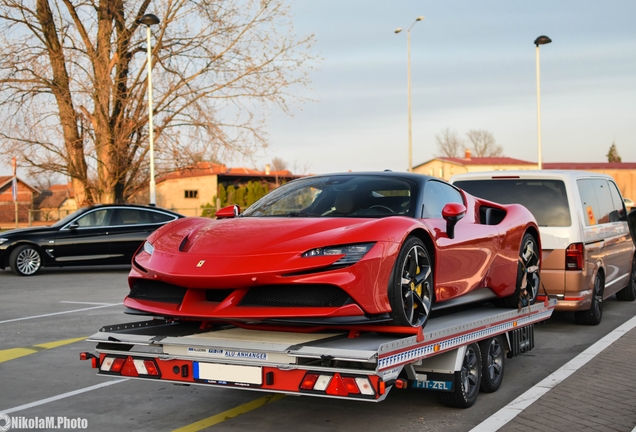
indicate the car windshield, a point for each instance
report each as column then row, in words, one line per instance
column 338, row 196
column 546, row 199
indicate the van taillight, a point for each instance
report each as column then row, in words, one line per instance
column 574, row 257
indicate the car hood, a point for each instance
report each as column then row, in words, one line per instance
column 271, row 235
column 26, row 231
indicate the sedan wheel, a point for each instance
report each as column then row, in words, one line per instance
column 411, row 290
column 25, row 261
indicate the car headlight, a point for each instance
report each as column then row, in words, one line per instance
column 3, row 240
column 352, row 253
column 148, row 248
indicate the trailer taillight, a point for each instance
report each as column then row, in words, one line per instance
column 337, row 385
column 309, row 381
column 574, row 257
column 129, row 366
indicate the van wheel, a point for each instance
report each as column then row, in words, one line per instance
column 492, row 359
column 411, row 289
column 629, row 292
column 466, row 382
column 594, row 314
column 527, row 273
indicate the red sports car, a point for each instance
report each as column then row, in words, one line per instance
column 340, row 249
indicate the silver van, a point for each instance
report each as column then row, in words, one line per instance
column 587, row 248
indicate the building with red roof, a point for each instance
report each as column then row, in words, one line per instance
column 188, row 189
column 445, row 167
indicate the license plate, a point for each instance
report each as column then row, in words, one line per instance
column 228, row 373
column 434, row 385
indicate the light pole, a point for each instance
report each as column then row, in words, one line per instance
column 148, row 20
column 541, row 40
column 408, row 61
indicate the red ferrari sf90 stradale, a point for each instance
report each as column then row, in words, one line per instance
column 340, row 249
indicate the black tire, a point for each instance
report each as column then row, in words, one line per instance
column 528, row 266
column 411, row 285
column 25, row 260
column 466, row 382
column 493, row 355
column 594, row 314
column 629, row 292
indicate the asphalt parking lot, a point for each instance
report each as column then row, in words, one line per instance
column 44, row 320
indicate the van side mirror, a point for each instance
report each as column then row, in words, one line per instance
column 452, row 213
column 228, row 212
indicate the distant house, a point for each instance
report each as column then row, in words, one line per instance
column 25, row 195
column 55, row 203
column 190, row 188
column 624, row 173
column 445, row 167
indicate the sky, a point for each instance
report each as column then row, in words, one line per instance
column 473, row 66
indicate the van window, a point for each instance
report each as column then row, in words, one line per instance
column 618, row 202
column 597, row 202
column 436, row 196
column 546, row 199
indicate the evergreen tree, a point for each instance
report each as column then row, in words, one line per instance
column 612, row 155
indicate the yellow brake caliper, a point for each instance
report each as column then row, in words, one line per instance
column 417, row 289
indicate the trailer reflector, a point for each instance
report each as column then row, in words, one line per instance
column 336, row 386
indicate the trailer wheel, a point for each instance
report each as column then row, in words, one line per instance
column 492, row 359
column 629, row 292
column 25, row 260
column 466, row 382
column 594, row 314
column 528, row 269
column 411, row 289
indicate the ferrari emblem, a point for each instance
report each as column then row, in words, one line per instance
column 200, row 264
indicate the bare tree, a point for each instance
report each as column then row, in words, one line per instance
column 73, row 85
column 483, row 144
column 449, row 143
column 278, row 164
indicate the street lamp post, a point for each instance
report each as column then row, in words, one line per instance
column 541, row 40
column 148, row 20
column 408, row 56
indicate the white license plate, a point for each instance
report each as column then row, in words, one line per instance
column 228, row 373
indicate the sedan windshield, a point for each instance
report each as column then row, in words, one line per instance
column 338, row 196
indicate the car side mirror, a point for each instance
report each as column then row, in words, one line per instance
column 452, row 213
column 228, row 212
column 74, row 225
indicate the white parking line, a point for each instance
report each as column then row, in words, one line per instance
column 62, row 396
column 88, row 303
column 510, row 411
column 59, row 313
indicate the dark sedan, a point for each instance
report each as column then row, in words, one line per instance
column 100, row 234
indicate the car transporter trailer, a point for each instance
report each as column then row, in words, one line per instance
column 456, row 355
